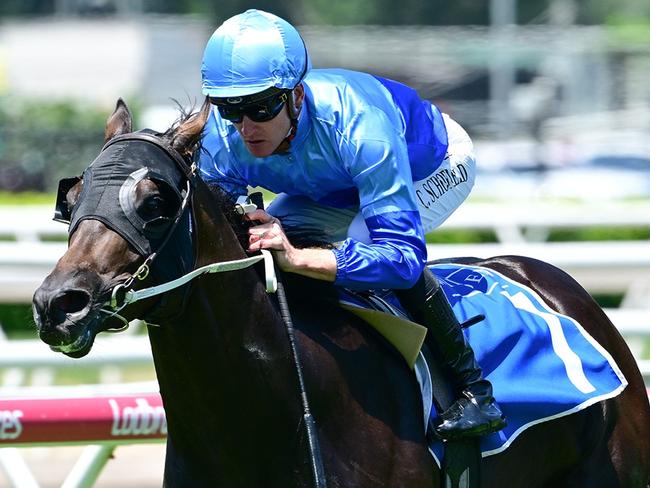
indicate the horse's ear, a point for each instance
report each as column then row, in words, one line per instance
column 187, row 135
column 120, row 122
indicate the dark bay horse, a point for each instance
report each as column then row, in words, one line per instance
column 223, row 357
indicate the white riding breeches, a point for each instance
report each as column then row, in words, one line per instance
column 438, row 195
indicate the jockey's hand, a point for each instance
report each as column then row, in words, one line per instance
column 268, row 234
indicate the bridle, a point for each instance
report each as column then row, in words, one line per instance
column 123, row 294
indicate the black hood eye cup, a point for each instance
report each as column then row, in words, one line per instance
column 110, row 193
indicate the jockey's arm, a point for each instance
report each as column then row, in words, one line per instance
column 393, row 259
column 393, row 255
column 314, row 263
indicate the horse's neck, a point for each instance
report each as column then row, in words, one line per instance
column 235, row 295
column 227, row 358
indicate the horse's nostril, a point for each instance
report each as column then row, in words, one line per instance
column 71, row 301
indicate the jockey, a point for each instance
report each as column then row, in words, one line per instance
column 355, row 156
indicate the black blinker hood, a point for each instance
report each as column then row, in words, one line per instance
column 109, row 185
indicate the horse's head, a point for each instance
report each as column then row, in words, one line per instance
column 128, row 206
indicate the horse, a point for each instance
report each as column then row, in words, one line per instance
column 223, row 355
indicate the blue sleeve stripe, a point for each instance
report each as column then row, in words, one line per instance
column 394, row 259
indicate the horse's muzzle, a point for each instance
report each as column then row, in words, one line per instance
column 62, row 315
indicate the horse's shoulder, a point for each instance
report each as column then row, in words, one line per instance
column 307, row 294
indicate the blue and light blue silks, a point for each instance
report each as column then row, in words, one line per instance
column 361, row 142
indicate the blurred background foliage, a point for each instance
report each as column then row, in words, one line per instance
column 351, row 12
column 41, row 142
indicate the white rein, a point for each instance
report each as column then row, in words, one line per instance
column 132, row 296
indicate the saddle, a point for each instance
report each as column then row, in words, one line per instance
column 381, row 310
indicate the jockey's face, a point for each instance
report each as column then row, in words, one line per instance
column 263, row 138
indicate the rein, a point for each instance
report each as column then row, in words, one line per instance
column 315, row 456
column 121, row 296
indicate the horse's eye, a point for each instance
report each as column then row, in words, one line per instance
column 154, row 203
column 153, row 206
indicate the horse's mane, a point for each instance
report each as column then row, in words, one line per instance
column 190, row 121
column 184, row 115
column 226, row 205
column 299, row 236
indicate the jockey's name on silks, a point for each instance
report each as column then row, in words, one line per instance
column 440, row 183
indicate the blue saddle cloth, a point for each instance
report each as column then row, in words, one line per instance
column 542, row 365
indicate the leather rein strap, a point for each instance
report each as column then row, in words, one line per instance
column 121, row 297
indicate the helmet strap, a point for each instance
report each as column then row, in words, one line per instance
column 293, row 112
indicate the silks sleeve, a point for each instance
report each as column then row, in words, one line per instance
column 376, row 157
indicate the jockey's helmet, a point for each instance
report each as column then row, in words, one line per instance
column 251, row 53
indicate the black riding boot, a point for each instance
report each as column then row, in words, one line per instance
column 475, row 413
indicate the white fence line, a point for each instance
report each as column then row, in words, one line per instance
column 23, row 266
column 512, row 221
column 601, row 267
column 518, row 222
column 127, row 350
column 630, row 322
column 30, row 223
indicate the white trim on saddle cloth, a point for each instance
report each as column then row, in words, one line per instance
column 543, row 365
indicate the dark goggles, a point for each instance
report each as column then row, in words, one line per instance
column 261, row 109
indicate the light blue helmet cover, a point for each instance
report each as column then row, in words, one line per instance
column 251, row 52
